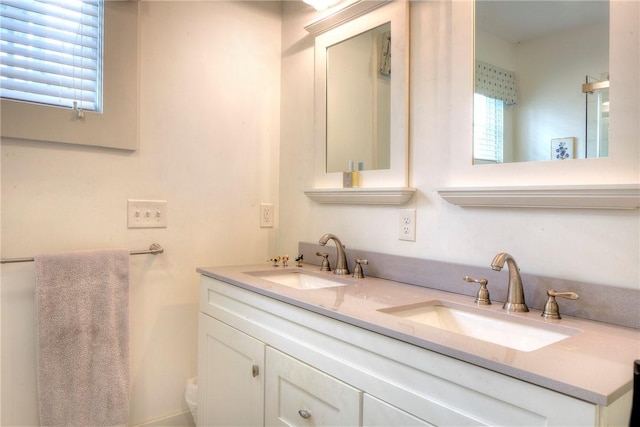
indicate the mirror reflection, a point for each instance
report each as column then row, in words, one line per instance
column 358, row 101
column 541, row 80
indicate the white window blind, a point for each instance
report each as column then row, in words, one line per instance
column 51, row 52
column 488, row 125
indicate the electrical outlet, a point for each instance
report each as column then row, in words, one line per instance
column 146, row 213
column 266, row 215
column 407, row 225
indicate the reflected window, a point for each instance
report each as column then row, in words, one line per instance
column 488, row 129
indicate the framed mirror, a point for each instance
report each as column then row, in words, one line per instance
column 361, row 99
column 594, row 183
column 541, row 80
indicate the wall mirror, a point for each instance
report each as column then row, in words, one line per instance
column 358, row 101
column 541, row 80
column 361, row 98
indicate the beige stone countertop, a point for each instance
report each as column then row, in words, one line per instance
column 595, row 364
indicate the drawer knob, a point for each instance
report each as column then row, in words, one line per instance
column 255, row 370
column 304, row 413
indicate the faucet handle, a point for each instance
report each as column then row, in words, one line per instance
column 482, row 297
column 358, row 274
column 325, row 262
column 551, row 310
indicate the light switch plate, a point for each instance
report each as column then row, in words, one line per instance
column 146, row 213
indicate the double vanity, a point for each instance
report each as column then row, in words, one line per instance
column 299, row 346
column 411, row 343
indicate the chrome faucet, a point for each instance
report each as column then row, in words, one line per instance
column 341, row 263
column 515, row 293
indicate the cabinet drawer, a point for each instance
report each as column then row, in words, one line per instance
column 297, row 394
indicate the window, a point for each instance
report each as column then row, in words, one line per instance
column 116, row 125
column 488, row 129
column 51, row 52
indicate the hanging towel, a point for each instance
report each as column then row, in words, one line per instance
column 82, row 310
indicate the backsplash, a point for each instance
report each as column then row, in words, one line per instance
column 602, row 303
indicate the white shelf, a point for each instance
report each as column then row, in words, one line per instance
column 362, row 196
column 624, row 196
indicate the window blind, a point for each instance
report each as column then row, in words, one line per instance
column 51, row 52
column 488, row 133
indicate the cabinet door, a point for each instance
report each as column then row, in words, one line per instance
column 298, row 395
column 376, row 413
column 230, row 376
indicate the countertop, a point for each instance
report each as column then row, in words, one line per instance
column 595, row 364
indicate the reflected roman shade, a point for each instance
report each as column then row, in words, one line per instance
column 496, row 83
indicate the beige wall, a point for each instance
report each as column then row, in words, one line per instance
column 209, row 137
column 590, row 246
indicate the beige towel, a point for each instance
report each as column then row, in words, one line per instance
column 82, row 310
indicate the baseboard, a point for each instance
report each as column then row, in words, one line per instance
column 182, row 419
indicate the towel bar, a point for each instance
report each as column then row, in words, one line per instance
column 153, row 249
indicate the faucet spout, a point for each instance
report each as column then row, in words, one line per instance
column 341, row 263
column 515, row 292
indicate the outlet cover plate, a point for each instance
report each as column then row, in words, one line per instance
column 407, row 225
column 266, row 215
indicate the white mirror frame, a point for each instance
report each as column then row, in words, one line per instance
column 606, row 183
column 397, row 13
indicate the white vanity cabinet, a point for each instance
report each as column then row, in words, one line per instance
column 246, row 383
column 335, row 373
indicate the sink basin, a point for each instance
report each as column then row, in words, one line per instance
column 298, row 280
column 497, row 328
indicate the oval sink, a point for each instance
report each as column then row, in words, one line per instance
column 497, row 328
column 298, row 280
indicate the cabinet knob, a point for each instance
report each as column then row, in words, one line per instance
column 304, row 413
column 255, row 370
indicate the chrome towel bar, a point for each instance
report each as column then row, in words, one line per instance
column 154, row 249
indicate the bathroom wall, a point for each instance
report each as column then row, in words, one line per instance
column 209, row 141
column 585, row 245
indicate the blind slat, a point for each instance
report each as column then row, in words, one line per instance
column 75, row 22
column 50, row 51
column 43, row 63
column 10, row 75
column 54, row 7
column 18, row 44
column 16, row 55
column 48, row 100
